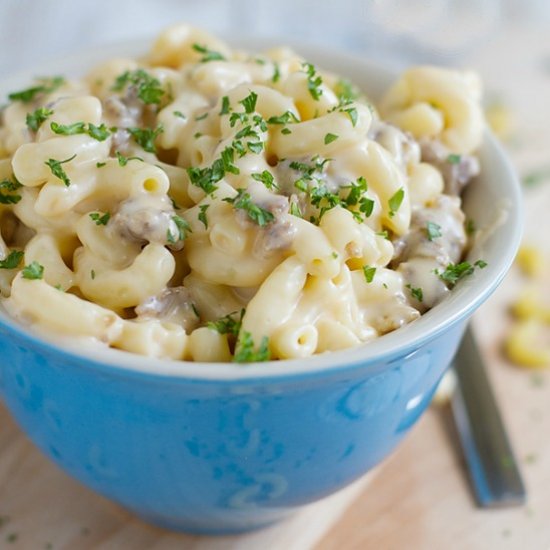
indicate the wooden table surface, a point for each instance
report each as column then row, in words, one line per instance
column 420, row 498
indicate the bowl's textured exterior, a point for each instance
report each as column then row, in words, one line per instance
column 202, row 456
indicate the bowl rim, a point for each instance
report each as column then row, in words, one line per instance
column 470, row 293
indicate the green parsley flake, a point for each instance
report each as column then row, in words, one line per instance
column 286, row 118
column 123, row 161
column 346, row 91
column 209, row 55
column 10, row 186
column 179, row 114
column 33, row 271
column 395, row 201
column 99, row 133
column 12, row 260
column 369, row 273
column 255, row 146
column 433, row 231
column 35, row 119
column 249, row 103
column 225, row 106
column 183, row 228
column 314, row 81
column 228, row 324
column 57, row 169
column 227, row 158
column 329, row 138
column 149, row 89
column 276, row 73
column 246, row 352
column 454, row 158
column 145, row 137
column 416, row 293
column 201, row 117
column 470, row 227
column 243, row 201
column 286, row 131
column 352, row 113
column 92, row 274
column 455, row 272
column 294, row 209
column 68, row 129
column 266, row 177
column 100, row 219
column 202, row 214
column 100, row 164
column 45, row 86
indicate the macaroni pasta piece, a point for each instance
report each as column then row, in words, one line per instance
column 208, row 204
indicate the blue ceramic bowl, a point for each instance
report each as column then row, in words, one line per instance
column 225, row 448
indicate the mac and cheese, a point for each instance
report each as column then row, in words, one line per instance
column 207, row 204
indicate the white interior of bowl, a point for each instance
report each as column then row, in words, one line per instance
column 494, row 202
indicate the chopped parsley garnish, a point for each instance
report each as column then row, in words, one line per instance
column 201, row 117
column 369, row 272
column 416, row 292
column 145, row 137
column 9, row 186
column 285, row 118
column 384, row 233
column 286, row 131
column 228, row 324
column 149, row 89
column 227, row 158
column 179, row 114
column 266, row 177
column 329, row 138
column 395, row 201
column 209, row 55
column 206, row 178
column 356, row 196
column 255, row 147
column 352, row 113
column 183, row 228
column 346, row 91
column 276, row 73
column 57, row 169
column 45, row 86
column 470, row 227
column 202, row 214
column 35, row 119
column 246, row 352
column 68, row 129
column 295, row 209
column 99, row 133
column 249, row 103
column 100, row 164
column 33, row 271
column 100, row 219
column 433, row 231
column 314, row 81
column 123, row 161
column 92, row 274
column 12, row 260
column 225, row 106
column 454, row 158
column 455, row 272
column 243, row 201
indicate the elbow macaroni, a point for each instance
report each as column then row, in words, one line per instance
column 211, row 182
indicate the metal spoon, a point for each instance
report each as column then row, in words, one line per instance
column 493, row 468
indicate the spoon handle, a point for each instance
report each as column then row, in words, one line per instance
column 493, row 468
